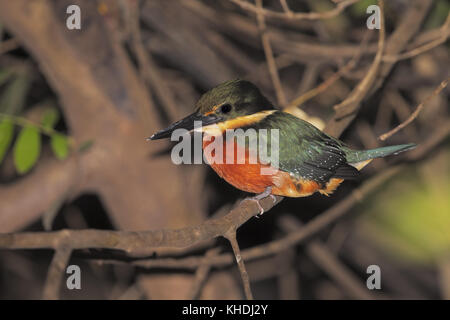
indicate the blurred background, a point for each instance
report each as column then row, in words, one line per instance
column 76, row 106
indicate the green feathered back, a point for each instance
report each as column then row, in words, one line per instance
column 308, row 153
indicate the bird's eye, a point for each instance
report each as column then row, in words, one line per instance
column 225, row 108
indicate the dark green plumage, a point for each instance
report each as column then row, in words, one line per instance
column 307, row 152
column 244, row 97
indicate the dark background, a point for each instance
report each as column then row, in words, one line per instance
column 136, row 66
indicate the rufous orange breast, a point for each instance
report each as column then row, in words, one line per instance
column 248, row 176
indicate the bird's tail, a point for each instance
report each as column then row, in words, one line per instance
column 356, row 156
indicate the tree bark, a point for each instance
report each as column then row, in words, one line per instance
column 104, row 101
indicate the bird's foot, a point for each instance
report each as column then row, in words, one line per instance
column 267, row 192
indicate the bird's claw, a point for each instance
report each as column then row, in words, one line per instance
column 257, row 198
column 274, row 199
column 261, row 209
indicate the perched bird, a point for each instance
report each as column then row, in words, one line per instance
column 308, row 159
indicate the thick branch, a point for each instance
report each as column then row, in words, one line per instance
column 132, row 241
column 23, row 201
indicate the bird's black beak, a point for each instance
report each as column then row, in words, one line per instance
column 188, row 123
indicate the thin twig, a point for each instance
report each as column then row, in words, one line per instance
column 396, row 102
column 202, row 273
column 286, row 8
column 416, row 112
column 21, row 121
column 346, row 110
column 416, row 51
column 231, row 236
column 409, row 25
column 336, row 76
column 55, row 273
column 443, row 36
column 328, row 262
column 297, row 15
column 441, row 133
column 271, row 65
column 148, row 69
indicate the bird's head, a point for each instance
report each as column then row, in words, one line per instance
column 230, row 100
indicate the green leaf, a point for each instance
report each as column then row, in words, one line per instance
column 60, row 145
column 27, row 149
column 6, row 135
column 50, row 117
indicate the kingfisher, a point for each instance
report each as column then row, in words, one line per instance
column 309, row 160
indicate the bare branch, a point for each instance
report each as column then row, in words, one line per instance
column 29, row 198
column 55, row 273
column 336, row 76
column 404, row 32
column 416, row 112
column 443, row 36
column 346, row 110
column 329, row 263
column 134, row 241
column 231, row 236
column 397, row 41
column 271, row 65
column 286, row 8
column 148, row 69
column 295, row 16
column 202, row 273
column 436, row 138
